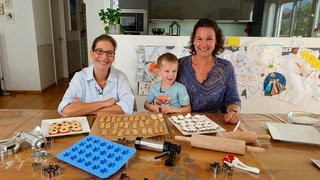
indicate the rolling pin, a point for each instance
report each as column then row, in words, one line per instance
column 249, row 137
column 219, row 144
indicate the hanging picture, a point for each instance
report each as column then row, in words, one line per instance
column 72, row 15
column 1, row 9
column 274, row 84
column 8, row 4
column 147, row 73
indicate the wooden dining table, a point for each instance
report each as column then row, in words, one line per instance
column 280, row 160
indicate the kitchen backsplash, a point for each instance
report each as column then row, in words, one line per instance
column 186, row 27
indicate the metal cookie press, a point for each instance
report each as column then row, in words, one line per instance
column 167, row 149
column 34, row 138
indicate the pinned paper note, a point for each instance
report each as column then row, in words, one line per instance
column 233, row 41
column 144, row 88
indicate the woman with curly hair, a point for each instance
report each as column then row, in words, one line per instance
column 210, row 80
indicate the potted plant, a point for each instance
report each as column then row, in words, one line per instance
column 111, row 17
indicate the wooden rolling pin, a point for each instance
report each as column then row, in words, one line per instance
column 249, row 137
column 219, row 144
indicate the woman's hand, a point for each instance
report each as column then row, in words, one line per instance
column 232, row 117
column 109, row 102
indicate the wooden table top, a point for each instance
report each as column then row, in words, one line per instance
column 280, row 160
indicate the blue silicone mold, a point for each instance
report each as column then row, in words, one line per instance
column 97, row 156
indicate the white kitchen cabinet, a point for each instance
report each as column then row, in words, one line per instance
column 246, row 10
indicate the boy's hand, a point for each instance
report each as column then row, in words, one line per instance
column 155, row 108
column 166, row 109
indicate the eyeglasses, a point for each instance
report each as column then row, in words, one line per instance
column 101, row 52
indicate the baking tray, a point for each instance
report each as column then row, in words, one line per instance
column 185, row 122
column 294, row 133
column 301, row 117
column 45, row 126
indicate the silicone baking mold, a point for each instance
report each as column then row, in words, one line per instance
column 97, row 156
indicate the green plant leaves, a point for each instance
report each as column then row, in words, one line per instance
column 110, row 16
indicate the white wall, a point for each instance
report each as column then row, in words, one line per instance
column 44, row 42
column 94, row 26
column 19, row 48
column 26, row 46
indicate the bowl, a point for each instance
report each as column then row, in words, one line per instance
column 158, row 31
column 301, row 117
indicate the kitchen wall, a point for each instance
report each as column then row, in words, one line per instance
column 188, row 16
column 186, row 27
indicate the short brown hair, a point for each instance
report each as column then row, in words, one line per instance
column 205, row 22
column 167, row 57
column 104, row 37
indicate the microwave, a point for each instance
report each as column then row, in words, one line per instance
column 134, row 21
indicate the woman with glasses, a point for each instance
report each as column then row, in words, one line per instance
column 210, row 81
column 99, row 87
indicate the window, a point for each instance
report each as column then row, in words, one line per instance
column 298, row 18
column 316, row 22
column 286, row 12
column 288, row 18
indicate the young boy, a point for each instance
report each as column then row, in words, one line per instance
column 168, row 96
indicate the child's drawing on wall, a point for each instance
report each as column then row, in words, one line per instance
column 274, row 84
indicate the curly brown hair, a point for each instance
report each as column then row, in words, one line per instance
column 205, row 22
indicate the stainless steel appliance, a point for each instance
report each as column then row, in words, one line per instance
column 134, row 21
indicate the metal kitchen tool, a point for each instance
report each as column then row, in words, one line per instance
column 34, row 138
column 167, row 148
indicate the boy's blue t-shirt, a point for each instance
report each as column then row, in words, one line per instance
column 176, row 96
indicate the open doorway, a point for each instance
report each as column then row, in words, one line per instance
column 83, row 34
column 59, row 39
column 69, row 42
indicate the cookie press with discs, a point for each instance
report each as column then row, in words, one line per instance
column 166, row 148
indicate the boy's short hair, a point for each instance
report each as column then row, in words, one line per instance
column 167, row 57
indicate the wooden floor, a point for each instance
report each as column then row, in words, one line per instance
column 49, row 99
